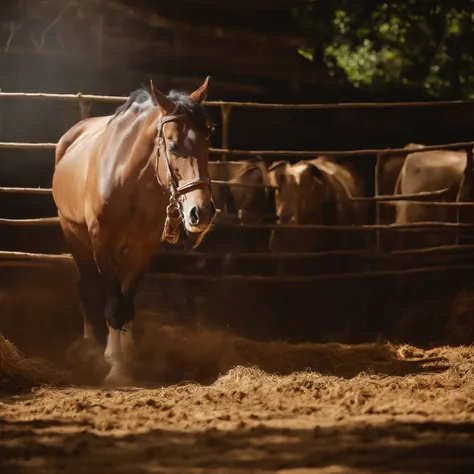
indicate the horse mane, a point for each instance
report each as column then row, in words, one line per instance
column 139, row 96
column 194, row 110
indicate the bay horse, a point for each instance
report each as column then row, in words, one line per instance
column 122, row 184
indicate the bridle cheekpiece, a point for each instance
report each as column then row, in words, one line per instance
column 174, row 213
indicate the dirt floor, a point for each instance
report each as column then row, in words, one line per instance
column 251, row 407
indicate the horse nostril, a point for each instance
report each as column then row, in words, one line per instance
column 194, row 215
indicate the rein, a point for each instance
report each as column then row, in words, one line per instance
column 174, row 208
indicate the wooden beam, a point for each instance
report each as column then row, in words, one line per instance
column 268, row 5
column 174, row 80
column 268, row 61
column 158, row 21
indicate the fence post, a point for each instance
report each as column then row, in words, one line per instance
column 377, row 192
column 225, row 113
column 84, row 107
column 466, row 190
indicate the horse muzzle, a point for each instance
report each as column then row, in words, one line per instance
column 197, row 219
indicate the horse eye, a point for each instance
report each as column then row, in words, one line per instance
column 172, row 148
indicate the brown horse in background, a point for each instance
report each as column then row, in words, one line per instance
column 120, row 183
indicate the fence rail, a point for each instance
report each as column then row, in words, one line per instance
column 282, row 153
column 19, row 259
column 463, row 251
column 368, row 199
column 450, row 227
column 12, row 190
column 85, row 100
column 256, row 105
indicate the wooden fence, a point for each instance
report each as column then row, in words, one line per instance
column 457, row 228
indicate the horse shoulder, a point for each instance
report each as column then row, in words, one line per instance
column 77, row 131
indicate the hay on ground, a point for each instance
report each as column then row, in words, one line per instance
column 20, row 372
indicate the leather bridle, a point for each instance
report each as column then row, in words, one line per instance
column 174, row 209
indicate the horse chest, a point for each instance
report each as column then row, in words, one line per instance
column 137, row 233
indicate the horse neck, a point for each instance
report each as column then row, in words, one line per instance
column 140, row 164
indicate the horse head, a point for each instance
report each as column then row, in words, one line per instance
column 181, row 166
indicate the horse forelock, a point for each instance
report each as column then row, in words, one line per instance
column 194, row 110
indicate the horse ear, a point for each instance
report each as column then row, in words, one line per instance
column 200, row 94
column 276, row 164
column 277, row 172
column 161, row 100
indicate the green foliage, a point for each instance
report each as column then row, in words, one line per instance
column 424, row 44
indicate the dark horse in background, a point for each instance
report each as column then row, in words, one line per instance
column 121, row 184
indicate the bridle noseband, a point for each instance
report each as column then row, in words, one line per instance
column 174, row 208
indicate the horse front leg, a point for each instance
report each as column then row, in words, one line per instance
column 92, row 307
column 92, row 298
column 121, row 268
column 119, row 314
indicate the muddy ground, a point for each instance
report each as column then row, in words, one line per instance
column 253, row 407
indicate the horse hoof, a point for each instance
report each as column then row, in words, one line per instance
column 118, row 379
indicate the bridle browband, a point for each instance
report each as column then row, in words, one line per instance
column 174, row 208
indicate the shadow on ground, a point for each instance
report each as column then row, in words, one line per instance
column 45, row 446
